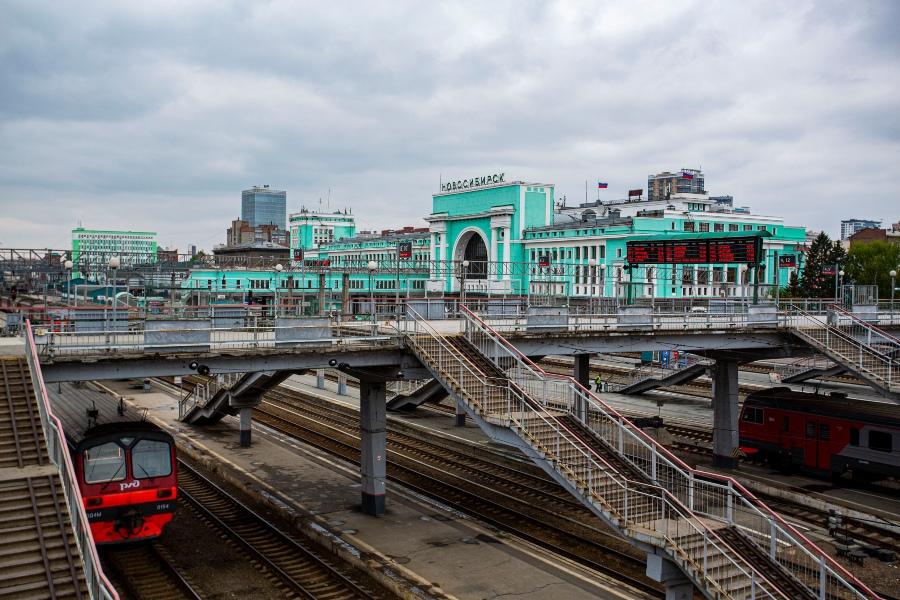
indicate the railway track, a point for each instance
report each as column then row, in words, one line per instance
column 145, row 571
column 299, row 569
column 514, row 496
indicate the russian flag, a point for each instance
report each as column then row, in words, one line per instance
column 687, row 175
column 602, row 185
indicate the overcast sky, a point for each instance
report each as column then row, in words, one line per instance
column 154, row 115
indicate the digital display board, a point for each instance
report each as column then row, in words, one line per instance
column 787, row 260
column 544, row 260
column 404, row 249
column 695, row 251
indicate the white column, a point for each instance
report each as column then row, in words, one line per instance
column 493, row 256
column 434, row 252
column 506, row 243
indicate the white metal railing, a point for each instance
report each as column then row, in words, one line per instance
column 705, row 494
column 205, row 391
column 625, row 500
column 203, row 335
column 98, row 585
column 851, row 341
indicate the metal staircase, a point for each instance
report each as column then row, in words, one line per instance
column 208, row 403
column 862, row 348
column 724, row 541
column 647, row 379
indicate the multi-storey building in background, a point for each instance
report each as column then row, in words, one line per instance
column 92, row 249
column 242, row 232
column 264, row 206
column 851, row 226
column 686, row 181
column 311, row 229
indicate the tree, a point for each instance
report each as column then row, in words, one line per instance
column 871, row 264
column 823, row 261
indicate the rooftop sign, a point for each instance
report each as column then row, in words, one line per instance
column 475, row 182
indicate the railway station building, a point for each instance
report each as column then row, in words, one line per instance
column 495, row 236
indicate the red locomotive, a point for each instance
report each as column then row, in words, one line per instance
column 126, row 467
column 826, row 435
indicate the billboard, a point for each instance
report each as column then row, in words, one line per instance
column 404, row 250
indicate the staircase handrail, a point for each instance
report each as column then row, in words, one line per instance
column 609, row 471
column 98, row 585
column 418, row 320
column 634, row 486
column 734, row 489
column 890, row 363
column 865, row 324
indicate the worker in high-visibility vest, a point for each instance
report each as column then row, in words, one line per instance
column 597, row 383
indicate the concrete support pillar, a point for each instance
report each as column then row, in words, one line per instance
column 725, row 413
column 582, row 374
column 345, row 293
column 460, row 415
column 245, row 415
column 373, row 451
column 320, row 379
column 342, row 385
column 323, row 309
column 678, row 586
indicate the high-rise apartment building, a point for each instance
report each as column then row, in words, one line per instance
column 264, row 206
column 92, row 248
column 851, row 226
column 663, row 185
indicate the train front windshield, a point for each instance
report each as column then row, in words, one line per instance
column 151, row 458
column 105, row 462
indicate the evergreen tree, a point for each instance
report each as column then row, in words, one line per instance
column 823, row 261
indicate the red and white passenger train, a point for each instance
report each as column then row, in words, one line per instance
column 125, row 466
column 826, row 435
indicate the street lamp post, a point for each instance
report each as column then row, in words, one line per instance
column 113, row 264
column 69, row 264
column 278, row 269
column 592, row 280
column 462, row 291
column 893, row 275
column 372, row 266
column 840, row 282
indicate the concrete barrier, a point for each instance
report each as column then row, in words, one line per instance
column 177, row 335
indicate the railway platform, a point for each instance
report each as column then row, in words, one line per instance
column 418, row 547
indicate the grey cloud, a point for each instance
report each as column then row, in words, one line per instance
column 115, row 113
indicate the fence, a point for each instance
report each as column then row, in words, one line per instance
column 98, row 585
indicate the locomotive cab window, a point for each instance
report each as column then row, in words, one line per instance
column 854, row 436
column 753, row 415
column 105, row 462
column 150, row 458
column 881, row 441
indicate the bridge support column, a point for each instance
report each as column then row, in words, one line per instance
column 678, row 586
column 373, row 452
column 725, row 413
column 342, row 385
column 582, row 374
column 320, row 379
column 246, row 416
column 460, row 415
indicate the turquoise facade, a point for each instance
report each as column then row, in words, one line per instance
column 511, row 238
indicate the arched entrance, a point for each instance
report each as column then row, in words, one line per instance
column 472, row 247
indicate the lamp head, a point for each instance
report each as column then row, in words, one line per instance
column 279, row 267
column 69, row 264
column 114, row 262
column 893, row 273
column 372, row 266
column 465, row 264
